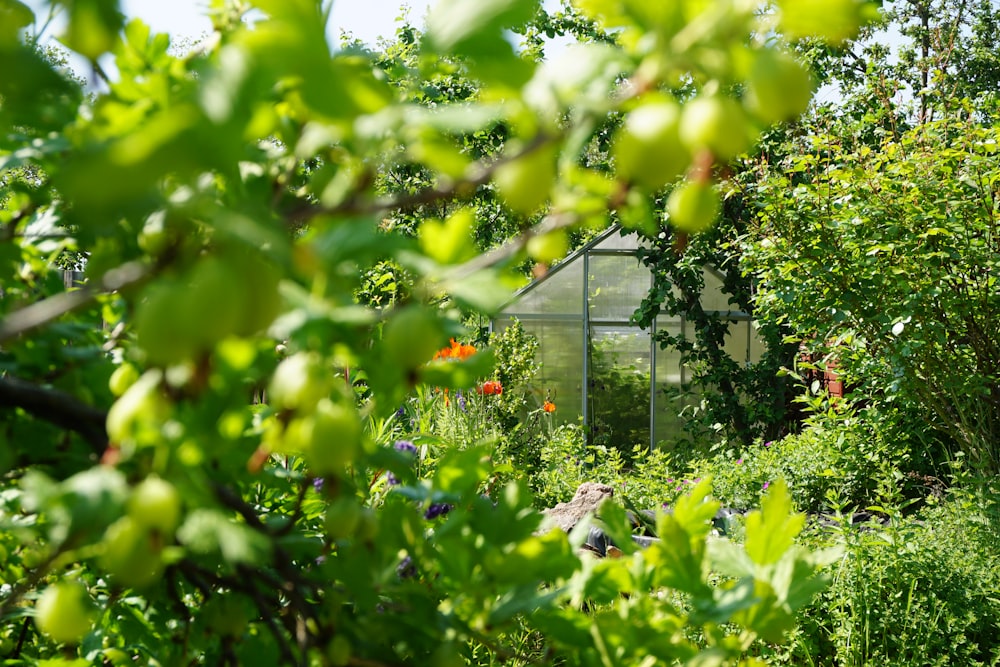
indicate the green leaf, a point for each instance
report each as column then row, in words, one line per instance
column 457, row 25
column 616, row 524
column 449, row 242
column 14, row 15
column 210, row 532
column 93, row 26
column 476, row 30
column 771, row 530
column 462, row 470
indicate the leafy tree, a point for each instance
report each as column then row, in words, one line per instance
column 195, row 438
column 885, row 259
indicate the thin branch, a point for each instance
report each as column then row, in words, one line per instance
column 56, row 407
column 42, row 312
column 462, row 188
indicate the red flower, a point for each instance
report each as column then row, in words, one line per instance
column 491, row 387
column 549, row 406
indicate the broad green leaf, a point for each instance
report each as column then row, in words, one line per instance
column 461, row 471
column 729, row 559
column 14, row 15
column 771, row 531
column 476, row 30
column 208, row 532
column 454, row 25
column 450, row 241
column 93, row 26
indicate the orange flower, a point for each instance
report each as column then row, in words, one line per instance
column 549, row 406
column 455, row 350
column 491, row 387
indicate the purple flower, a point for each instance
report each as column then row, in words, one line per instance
column 460, row 401
column 391, row 479
column 406, row 568
column 739, row 461
column 436, row 510
column 405, row 446
column 766, row 484
column 318, row 483
column 401, row 412
column 769, row 443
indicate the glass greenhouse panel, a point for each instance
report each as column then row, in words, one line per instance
column 560, row 359
column 616, row 286
column 559, row 293
column 713, row 296
column 670, row 399
column 737, row 344
column 617, row 241
column 619, row 386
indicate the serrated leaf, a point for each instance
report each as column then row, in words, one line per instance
column 729, row 559
column 771, row 531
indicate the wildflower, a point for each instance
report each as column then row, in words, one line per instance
column 318, row 483
column 549, row 406
column 391, row 479
column 769, row 443
column 739, row 461
column 406, row 568
column 456, row 351
column 491, row 387
column 436, row 510
column 460, row 401
column 405, row 446
column 766, row 484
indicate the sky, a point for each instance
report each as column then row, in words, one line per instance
column 365, row 19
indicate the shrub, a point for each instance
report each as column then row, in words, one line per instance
column 916, row 592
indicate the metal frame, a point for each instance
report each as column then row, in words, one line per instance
column 588, row 324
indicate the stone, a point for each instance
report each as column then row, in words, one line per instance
column 588, row 498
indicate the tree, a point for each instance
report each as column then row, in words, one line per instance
column 884, row 258
column 230, row 204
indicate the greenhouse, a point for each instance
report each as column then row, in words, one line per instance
column 594, row 359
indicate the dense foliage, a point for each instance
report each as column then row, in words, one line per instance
column 219, row 445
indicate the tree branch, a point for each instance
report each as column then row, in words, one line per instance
column 461, row 188
column 44, row 311
column 56, row 407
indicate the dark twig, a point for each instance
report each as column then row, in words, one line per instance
column 56, row 407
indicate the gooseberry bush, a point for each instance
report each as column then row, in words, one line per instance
column 196, row 434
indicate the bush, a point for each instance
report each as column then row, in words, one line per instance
column 916, row 592
column 850, row 460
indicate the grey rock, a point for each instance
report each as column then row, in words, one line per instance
column 588, row 498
